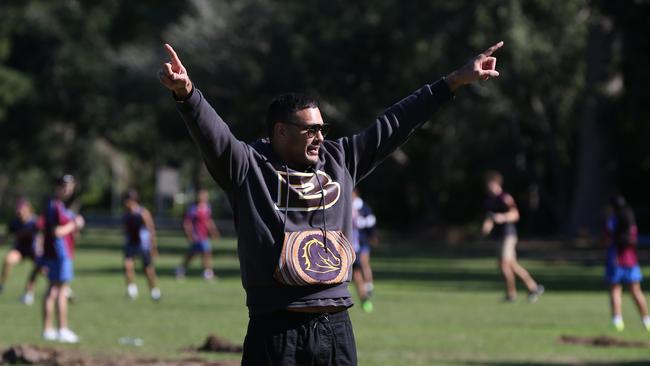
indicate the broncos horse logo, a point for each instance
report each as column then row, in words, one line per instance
column 318, row 259
column 305, row 192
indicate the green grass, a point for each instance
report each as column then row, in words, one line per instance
column 432, row 307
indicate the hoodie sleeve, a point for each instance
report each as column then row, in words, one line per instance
column 225, row 157
column 365, row 150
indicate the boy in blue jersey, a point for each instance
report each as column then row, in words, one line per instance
column 59, row 228
column 140, row 234
column 363, row 236
column 199, row 228
column 24, row 228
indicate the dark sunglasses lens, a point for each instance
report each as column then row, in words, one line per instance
column 324, row 129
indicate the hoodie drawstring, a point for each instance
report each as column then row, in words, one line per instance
column 322, row 192
column 286, row 201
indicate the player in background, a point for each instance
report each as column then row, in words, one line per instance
column 363, row 236
column 502, row 215
column 622, row 265
column 24, row 228
column 199, row 228
column 140, row 234
column 59, row 228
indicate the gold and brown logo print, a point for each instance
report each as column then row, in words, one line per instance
column 305, row 192
column 308, row 258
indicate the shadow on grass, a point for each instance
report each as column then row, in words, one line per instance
column 161, row 271
column 163, row 248
column 577, row 363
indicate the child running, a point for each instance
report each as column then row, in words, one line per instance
column 24, row 228
column 622, row 265
column 199, row 228
column 140, row 241
column 502, row 215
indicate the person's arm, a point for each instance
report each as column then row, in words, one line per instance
column 488, row 225
column 224, row 155
column 364, row 151
column 188, row 228
column 149, row 224
column 509, row 217
column 214, row 231
column 72, row 226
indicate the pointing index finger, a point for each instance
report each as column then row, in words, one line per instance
column 489, row 51
column 172, row 55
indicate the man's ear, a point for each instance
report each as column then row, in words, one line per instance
column 279, row 130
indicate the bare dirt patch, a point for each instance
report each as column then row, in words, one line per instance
column 602, row 341
column 36, row 355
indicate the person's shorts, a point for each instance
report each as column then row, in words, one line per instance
column 59, row 269
column 617, row 274
column 26, row 253
column 508, row 250
column 138, row 250
column 201, row 246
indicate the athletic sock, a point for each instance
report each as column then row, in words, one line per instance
column 646, row 322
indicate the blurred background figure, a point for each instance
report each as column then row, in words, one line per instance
column 502, row 215
column 363, row 236
column 24, row 228
column 140, row 235
column 622, row 265
column 59, row 228
column 199, row 228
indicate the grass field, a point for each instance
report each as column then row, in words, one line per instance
column 432, row 307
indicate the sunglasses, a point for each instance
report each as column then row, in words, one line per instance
column 312, row 130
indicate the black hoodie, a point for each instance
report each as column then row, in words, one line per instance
column 254, row 179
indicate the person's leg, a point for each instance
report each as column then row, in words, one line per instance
column 509, row 278
column 62, row 306
column 185, row 264
column 357, row 278
column 367, row 271
column 150, row 273
column 615, row 294
column 206, row 256
column 129, row 274
column 65, row 334
column 11, row 259
column 523, row 274
column 49, row 303
column 639, row 300
column 28, row 296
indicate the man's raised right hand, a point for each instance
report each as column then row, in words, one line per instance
column 174, row 76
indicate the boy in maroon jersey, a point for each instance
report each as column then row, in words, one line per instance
column 199, row 228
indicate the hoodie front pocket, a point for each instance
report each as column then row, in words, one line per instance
column 308, row 259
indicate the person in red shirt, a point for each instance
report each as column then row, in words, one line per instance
column 622, row 266
column 199, row 228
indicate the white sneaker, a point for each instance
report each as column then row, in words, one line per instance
column 132, row 291
column 28, row 298
column 155, row 294
column 67, row 336
column 208, row 274
column 50, row 334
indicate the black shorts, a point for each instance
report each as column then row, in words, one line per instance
column 290, row 338
column 26, row 253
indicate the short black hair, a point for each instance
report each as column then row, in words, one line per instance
column 132, row 194
column 283, row 108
